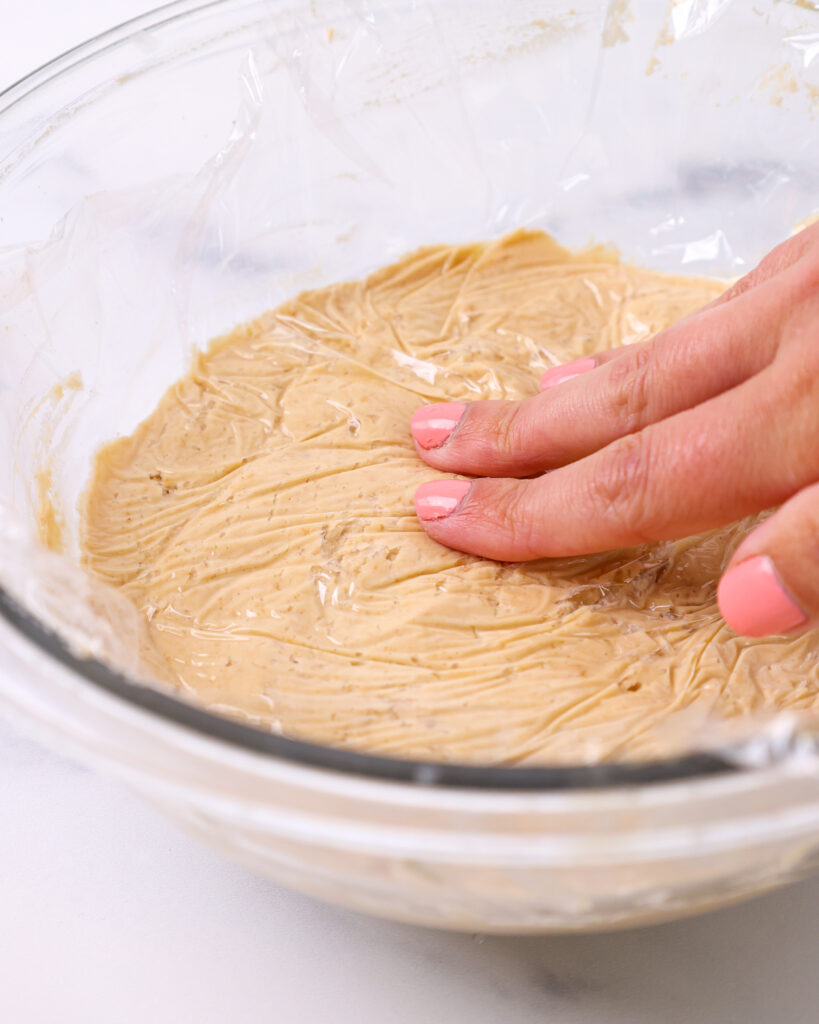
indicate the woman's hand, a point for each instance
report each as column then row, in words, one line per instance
column 712, row 420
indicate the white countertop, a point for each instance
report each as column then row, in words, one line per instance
column 110, row 915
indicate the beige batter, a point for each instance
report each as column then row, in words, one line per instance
column 262, row 522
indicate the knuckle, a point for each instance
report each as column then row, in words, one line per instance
column 507, row 427
column 812, row 527
column 809, row 275
column 630, row 388
column 776, row 262
column 512, row 511
column 483, row 435
column 779, row 259
column 743, row 285
column 621, row 487
column 798, row 378
column 512, row 429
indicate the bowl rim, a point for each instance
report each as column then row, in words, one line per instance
column 250, row 738
column 92, row 47
column 697, row 765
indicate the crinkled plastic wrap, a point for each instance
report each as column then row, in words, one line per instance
column 315, row 143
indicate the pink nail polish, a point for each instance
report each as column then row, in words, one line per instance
column 436, row 500
column 559, row 374
column 754, row 603
column 431, row 425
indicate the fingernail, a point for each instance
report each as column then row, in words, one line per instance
column 431, row 425
column 559, row 374
column 753, row 601
column 438, row 499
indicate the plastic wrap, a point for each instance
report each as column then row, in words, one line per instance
column 309, row 144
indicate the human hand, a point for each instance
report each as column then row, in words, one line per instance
column 712, row 420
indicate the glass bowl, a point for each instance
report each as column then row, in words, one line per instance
column 202, row 163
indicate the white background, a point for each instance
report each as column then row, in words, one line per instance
column 108, row 915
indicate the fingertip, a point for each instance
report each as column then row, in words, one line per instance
column 431, row 425
column 560, row 374
column 490, row 518
column 440, row 498
column 754, row 602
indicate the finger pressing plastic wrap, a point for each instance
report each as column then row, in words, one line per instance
column 260, row 521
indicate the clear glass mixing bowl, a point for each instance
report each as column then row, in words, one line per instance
column 202, row 163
